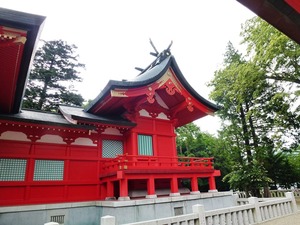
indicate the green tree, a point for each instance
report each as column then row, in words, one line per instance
column 192, row 142
column 240, row 91
column 294, row 161
column 248, row 177
column 187, row 140
column 258, row 95
column 276, row 53
column 279, row 57
column 51, row 81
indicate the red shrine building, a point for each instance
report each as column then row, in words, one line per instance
column 122, row 146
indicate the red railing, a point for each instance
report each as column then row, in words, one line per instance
column 130, row 162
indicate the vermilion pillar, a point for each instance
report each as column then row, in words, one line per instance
column 134, row 143
column 109, row 190
column 212, row 184
column 174, row 187
column 124, row 189
column 151, row 188
column 174, row 146
column 194, row 186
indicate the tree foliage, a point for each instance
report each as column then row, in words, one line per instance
column 192, row 142
column 259, row 111
column 274, row 52
column 51, row 81
column 258, row 93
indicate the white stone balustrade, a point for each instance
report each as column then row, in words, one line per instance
column 253, row 212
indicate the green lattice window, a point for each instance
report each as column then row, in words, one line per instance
column 12, row 169
column 145, row 145
column 48, row 170
column 111, row 148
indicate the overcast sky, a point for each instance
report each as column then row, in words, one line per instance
column 112, row 36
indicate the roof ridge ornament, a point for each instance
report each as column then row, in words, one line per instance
column 159, row 57
column 170, row 45
column 156, row 52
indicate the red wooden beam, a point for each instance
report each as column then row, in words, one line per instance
column 11, row 51
column 295, row 4
column 279, row 14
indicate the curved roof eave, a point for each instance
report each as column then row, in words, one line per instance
column 145, row 78
column 149, row 76
column 190, row 89
column 33, row 25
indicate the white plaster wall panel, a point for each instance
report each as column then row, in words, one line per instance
column 50, row 138
column 162, row 116
column 83, row 141
column 112, row 131
column 14, row 135
column 143, row 112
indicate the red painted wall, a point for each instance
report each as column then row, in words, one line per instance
column 81, row 165
column 81, row 174
column 163, row 133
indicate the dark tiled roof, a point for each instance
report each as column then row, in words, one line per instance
column 149, row 75
column 152, row 73
column 40, row 117
column 77, row 113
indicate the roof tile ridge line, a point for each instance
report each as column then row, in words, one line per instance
column 71, row 106
column 37, row 111
column 68, row 117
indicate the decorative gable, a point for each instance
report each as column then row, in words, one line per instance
column 160, row 89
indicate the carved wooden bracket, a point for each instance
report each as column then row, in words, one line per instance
column 170, row 87
column 153, row 114
column 68, row 140
column 190, row 105
column 101, row 129
column 150, row 95
column 33, row 137
column 122, row 129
